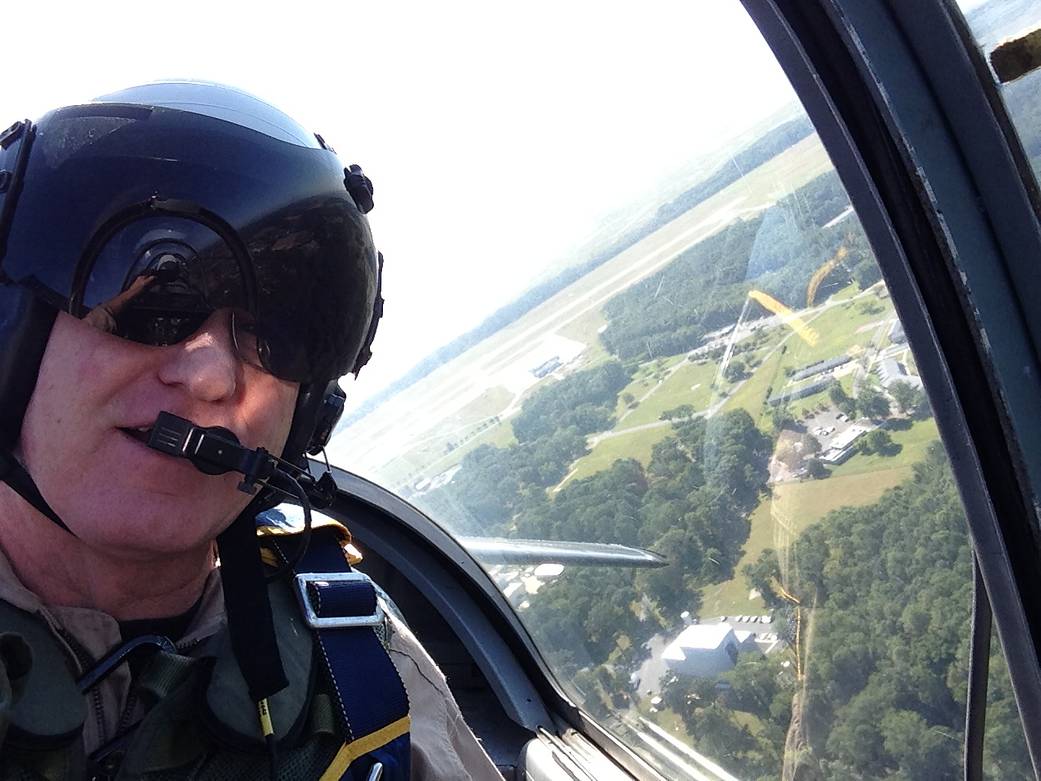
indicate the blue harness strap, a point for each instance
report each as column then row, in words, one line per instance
column 341, row 607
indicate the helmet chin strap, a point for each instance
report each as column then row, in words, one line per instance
column 15, row 475
column 216, row 451
column 250, row 622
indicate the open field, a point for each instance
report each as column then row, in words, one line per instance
column 647, row 380
column 498, row 436
column 801, row 407
column 689, row 384
column 913, row 443
column 636, row 445
column 846, row 293
column 790, row 509
column 837, row 330
column 752, row 395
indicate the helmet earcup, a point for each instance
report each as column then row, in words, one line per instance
column 318, row 409
column 328, row 416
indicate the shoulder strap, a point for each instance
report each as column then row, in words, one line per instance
column 228, row 704
column 340, row 605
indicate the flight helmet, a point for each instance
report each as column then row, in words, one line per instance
column 148, row 209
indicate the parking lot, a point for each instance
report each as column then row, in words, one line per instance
column 827, row 425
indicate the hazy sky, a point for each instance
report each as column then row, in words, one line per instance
column 497, row 136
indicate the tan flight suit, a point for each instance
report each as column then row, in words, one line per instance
column 443, row 747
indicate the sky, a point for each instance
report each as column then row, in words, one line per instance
column 499, row 137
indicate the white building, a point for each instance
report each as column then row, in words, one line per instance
column 703, row 650
column 891, row 370
column 841, row 446
column 747, row 641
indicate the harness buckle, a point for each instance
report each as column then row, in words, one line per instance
column 327, row 580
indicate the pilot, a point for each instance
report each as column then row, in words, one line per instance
column 184, row 274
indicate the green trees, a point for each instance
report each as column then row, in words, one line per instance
column 579, row 617
column 885, row 672
column 705, row 292
column 585, row 400
column 910, row 399
column 762, row 574
column 493, row 482
column 841, row 399
column 702, row 485
column 602, row 508
column 872, row 403
column 677, row 413
column 735, row 370
column 815, row 468
column 879, row 441
column 758, row 686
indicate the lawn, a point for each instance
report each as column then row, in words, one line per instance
column 801, row 407
column 913, row 443
column 676, row 390
column 790, row 509
column 847, row 292
column 647, row 377
column 636, row 445
column 782, row 174
column 499, row 435
column 751, row 396
column 836, row 330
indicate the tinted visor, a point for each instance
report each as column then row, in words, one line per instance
column 155, row 279
column 150, row 220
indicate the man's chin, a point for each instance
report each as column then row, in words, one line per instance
column 144, row 523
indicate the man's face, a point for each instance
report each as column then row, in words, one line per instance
column 113, row 491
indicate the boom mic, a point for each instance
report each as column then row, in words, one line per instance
column 214, row 450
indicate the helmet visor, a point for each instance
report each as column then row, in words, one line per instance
column 147, row 221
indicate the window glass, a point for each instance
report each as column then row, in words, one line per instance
column 1000, row 28
column 714, row 372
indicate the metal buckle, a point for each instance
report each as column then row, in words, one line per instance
column 314, row 621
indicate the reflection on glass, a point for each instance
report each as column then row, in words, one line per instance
column 105, row 316
column 726, row 384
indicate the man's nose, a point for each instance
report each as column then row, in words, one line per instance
column 205, row 364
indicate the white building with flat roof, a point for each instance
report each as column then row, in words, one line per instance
column 703, row 650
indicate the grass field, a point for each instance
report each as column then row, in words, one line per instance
column 751, row 396
column 646, row 378
column 913, row 443
column 801, row 407
column 636, row 445
column 782, row 174
column 460, row 430
column 676, row 390
column 836, row 330
column 499, row 436
column 790, row 509
column 847, row 292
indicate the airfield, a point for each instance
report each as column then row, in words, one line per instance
column 415, row 441
column 425, row 430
